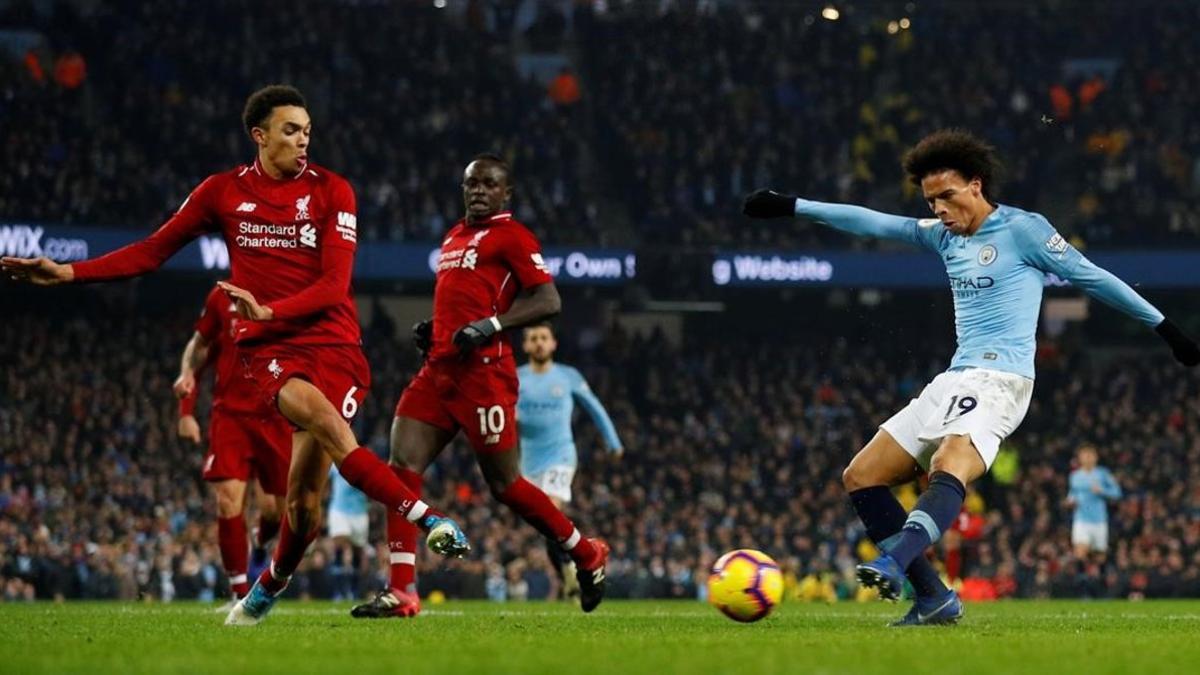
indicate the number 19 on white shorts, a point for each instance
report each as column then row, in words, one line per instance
column 985, row 404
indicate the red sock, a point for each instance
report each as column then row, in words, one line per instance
column 289, row 551
column 235, row 553
column 374, row 478
column 267, row 529
column 536, row 508
column 402, row 538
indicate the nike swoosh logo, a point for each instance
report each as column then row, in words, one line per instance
column 921, row 616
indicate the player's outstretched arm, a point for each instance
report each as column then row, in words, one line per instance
column 532, row 305
column 1045, row 249
column 37, row 271
column 133, row 260
column 855, row 220
column 587, row 398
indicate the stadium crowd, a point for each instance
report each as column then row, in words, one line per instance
column 730, row 444
column 110, row 122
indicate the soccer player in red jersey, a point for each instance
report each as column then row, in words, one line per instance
column 490, row 277
column 291, row 230
column 247, row 438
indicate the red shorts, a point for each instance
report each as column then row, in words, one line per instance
column 477, row 396
column 340, row 372
column 245, row 446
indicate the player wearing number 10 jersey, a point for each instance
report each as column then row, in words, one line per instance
column 490, row 277
column 291, row 230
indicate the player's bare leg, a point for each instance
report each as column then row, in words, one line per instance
column 414, row 446
column 881, row 464
column 270, row 512
column 299, row 527
column 231, row 535
column 955, row 464
column 502, row 472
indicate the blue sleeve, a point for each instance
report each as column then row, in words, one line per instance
column 1111, row 488
column 583, row 394
column 1043, row 248
column 867, row 223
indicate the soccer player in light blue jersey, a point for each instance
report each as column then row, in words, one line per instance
column 348, row 523
column 1091, row 487
column 996, row 257
column 545, row 406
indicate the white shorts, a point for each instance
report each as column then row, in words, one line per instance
column 1092, row 535
column 353, row 526
column 555, row 481
column 985, row 404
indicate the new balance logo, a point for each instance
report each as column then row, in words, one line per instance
column 492, row 439
column 247, row 207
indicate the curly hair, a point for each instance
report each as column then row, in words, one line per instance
column 262, row 102
column 957, row 150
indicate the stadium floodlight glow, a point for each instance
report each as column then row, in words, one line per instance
column 905, row 23
column 893, row 27
column 440, row 4
column 830, row 13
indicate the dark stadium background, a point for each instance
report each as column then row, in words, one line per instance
column 739, row 402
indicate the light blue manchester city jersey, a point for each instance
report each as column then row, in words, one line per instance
column 996, row 276
column 544, row 410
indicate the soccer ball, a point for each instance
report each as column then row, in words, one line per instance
column 745, row 585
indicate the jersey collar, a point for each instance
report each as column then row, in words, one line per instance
column 257, row 169
column 503, row 215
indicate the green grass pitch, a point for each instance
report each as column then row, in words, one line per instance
column 620, row 637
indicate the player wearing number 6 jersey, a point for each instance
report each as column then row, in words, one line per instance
column 290, row 227
column 996, row 258
column 490, row 277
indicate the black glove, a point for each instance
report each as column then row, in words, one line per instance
column 422, row 332
column 769, row 204
column 1185, row 348
column 475, row 333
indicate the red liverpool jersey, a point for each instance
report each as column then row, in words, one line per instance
column 481, row 269
column 291, row 243
column 233, row 391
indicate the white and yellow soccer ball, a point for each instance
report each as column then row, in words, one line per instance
column 745, row 585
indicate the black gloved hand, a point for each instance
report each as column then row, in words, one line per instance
column 769, row 204
column 422, row 333
column 475, row 333
column 1185, row 348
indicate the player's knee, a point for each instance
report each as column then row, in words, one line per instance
column 958, row 457
column 229, row 502
column 851, row 479
column 499, row 484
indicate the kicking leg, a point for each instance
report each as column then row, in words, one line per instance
column 868, row 479
column 955, row 464
column 307, row 407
